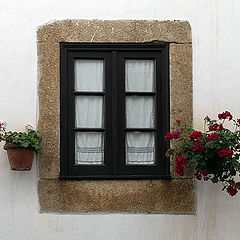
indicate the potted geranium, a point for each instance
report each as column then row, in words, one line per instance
column 20, row 146
column 213, row 154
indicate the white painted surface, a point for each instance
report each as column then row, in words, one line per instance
column 216, row 73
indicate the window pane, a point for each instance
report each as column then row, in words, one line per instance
column 89, row 148
column 89, row 75
column 89, row 111
column 140, row 111
column 140, row 148
column 139, row 75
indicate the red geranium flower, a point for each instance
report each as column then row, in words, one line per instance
column 172, row 135
column 169, row 152
column 178, row 122
column 232, row 190
column 212, row 136
column 216, row 127
column 180, row 162
column 176, row 134
column 198, row 147
column 198, row 176
column 179, row 170
column 238, row 122
column 225, row 152
column 205, row 172
column 196, row 135
column 225, row 115
column 238, row 183
column 168, row 136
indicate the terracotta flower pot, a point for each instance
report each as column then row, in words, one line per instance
column 20, row 158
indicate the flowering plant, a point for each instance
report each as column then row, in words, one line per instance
column 214, row 154
column 28, row 139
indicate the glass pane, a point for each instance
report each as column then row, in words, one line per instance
column 140, row 148
column 89, row 111
column 89, row 148
column 89, row 75
column 139, row 75
column 140, row 111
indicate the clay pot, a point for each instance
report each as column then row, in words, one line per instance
column 20, row 158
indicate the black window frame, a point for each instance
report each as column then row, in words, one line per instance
column 114, row 56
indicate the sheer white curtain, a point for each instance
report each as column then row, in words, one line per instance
column 89, row 111
column 89, row 148
column 140, row 148
column 140, row 75
column 140, row 111
column 89, row 75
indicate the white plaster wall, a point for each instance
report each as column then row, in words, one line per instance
column 216, row 77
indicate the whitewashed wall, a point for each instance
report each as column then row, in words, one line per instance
column 216, row 78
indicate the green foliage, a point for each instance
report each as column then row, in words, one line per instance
column 29, row 139
column 214, row 154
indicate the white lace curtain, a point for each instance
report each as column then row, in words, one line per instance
column 89, row 146
column 139, row 77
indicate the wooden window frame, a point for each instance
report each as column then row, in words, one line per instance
column 114, row 56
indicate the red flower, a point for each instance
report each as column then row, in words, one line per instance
column 173, row 135
column 198, row 147
column 176, row 134
column 168, row 136
column 216, row 127
column 169, row 152
column 178, row 122
column 212, row 136
column 225, row 115
column 198, row 176
column 205, row 172
column 220, row 127
column 180, row 161
column 179, row 170
column 225, row 152
column 238, row 183
column 196, row 135
column 238, row 122
column 232, row 190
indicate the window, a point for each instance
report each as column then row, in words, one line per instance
column 175, row 196
column 114, row 111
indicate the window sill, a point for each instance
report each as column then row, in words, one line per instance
column 174, row 196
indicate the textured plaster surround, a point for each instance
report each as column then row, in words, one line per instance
column 174, row 196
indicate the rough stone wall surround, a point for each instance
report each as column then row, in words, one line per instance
column 174, row 196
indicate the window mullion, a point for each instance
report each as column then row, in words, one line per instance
column 121, row 112
column 115, row 112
